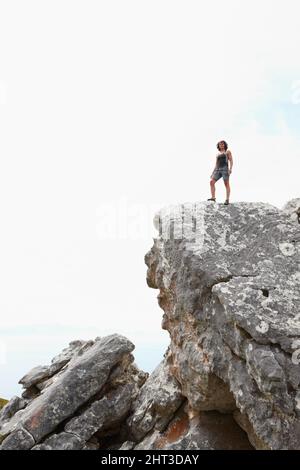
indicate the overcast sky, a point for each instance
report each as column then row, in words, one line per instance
column 110, row 110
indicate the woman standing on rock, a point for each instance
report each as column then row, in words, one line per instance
column 221, row 170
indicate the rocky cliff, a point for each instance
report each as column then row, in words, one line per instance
column 229, row 285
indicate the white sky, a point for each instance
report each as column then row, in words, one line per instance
column 121, row 104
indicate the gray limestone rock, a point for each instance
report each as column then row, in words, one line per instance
column 35, row 375
column 15, row 404
column 156, row 402
column 127, row 445
column 61, row 441
column 292, row 209
column 229, row 286
column 102, row 413
column 85, row 377
column 20, row 439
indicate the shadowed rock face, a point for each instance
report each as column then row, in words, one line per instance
column 210, row 430
column 229, row 285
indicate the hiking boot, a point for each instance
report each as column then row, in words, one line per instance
column 226, row 202
column 212, row 199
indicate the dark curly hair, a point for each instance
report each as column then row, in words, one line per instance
column 225, row 143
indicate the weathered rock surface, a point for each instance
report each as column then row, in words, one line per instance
column 229, row 285
column 156, row 403
column 292, row 208
column 92, row 391
column 209, row 430
column 11, row 408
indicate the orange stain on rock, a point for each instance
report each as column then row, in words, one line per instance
column 174, row 431
column 35, row 420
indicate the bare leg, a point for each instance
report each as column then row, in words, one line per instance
column 227, row 185
column 213, row 188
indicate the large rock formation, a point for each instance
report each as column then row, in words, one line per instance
column 79, row 401
column 229, row 285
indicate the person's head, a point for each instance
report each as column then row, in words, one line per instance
column 222, row 146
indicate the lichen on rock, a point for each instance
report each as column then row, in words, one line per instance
column 231, row 302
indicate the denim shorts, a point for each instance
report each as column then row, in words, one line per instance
column 219, row 173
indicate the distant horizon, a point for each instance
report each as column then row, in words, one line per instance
column 147, row 355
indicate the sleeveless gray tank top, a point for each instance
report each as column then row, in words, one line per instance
column 222, row 161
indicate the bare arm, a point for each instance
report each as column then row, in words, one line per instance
column 230, row 159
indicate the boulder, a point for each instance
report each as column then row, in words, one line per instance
column 229, row 285
column 94, row 390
